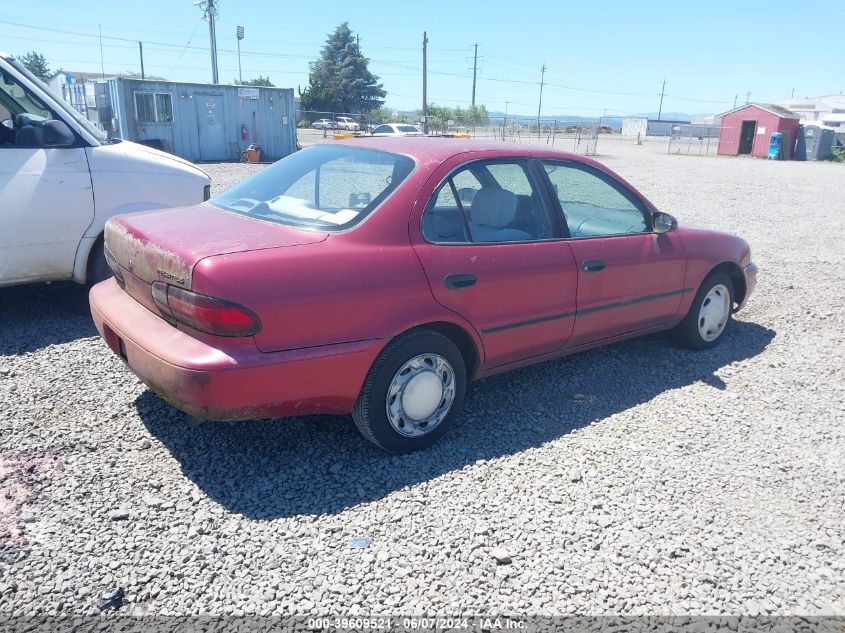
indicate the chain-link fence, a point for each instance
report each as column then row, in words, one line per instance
column 694, row 139
column 578, row 136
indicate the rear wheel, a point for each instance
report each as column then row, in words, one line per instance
column 98, row 268
column 709, row 315
column 413, row 392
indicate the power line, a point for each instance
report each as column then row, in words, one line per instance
column 112, row 41
column 179, row 59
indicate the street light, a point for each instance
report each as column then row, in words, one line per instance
column 240, row 34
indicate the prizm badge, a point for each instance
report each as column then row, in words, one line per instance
column 170, row 276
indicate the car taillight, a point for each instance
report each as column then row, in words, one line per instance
column 204, row 313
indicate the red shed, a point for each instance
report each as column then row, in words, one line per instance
column 748, row 130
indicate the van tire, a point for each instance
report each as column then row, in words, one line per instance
column 98, row 268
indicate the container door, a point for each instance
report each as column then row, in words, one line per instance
column 211, row 119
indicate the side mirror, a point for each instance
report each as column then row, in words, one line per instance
column 57, row 134
column 663, row 222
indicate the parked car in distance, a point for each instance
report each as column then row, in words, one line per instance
column 397, row 129
column 324, row 124
column 416, row 265
column 347, row 123
column 62, row 178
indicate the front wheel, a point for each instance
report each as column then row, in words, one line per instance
column 413, row 392
column 98, row 268
column 709, row 315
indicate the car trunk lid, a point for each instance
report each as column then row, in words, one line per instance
column 166, row 245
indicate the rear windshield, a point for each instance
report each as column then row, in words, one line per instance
column 325, row 187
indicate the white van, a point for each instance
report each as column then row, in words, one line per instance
column 61, row 178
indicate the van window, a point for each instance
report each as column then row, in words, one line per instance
column 58, row 100
column 19, row 101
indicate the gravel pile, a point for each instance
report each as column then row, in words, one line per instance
column 639, row 478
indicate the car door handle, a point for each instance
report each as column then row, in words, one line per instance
column 459, row 280
column 592, row 266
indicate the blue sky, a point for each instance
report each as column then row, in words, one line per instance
column 611, row 56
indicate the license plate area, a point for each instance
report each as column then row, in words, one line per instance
column 114, row 342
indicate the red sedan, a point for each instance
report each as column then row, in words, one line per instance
column 379, row 276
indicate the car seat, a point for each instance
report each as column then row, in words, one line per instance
column 491, row 215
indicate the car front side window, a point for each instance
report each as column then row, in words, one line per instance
column 593, row 205
column 489, row 202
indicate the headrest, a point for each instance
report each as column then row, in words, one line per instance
column 495, row 208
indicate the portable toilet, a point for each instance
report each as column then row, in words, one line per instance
column 776, row 146
column 815, row 142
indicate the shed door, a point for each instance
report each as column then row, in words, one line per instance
column 211, row 119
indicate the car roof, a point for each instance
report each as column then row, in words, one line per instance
column 442, row 148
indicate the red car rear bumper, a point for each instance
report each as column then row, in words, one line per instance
column 234, row 380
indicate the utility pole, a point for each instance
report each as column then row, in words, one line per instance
column 474, row 70
column 540, row 104
column 747, row 96
column 102, row 62
column 662, row 92
column 792, row 96
column 141, row 51
column 425, row 78
column 239, row 32
column 209, row 9
column 505, row 122
column 736, row 96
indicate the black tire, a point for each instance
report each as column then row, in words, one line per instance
column 98, row 268
column 370, row 411
column 687, row 331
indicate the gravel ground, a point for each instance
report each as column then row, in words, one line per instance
column 634, row 479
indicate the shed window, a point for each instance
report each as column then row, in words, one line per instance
column 153, row 107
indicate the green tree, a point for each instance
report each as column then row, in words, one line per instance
column 383, row 114
column 263, row 82
column 439, row 116
column 37, row 64
column 340, row 81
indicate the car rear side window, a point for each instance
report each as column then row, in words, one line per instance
column 593, row 204
column 324, row 187
column 488, row 202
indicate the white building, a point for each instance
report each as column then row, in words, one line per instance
column 817, row 108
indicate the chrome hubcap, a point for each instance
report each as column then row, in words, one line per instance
column 714, row 313
column 420, row 395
